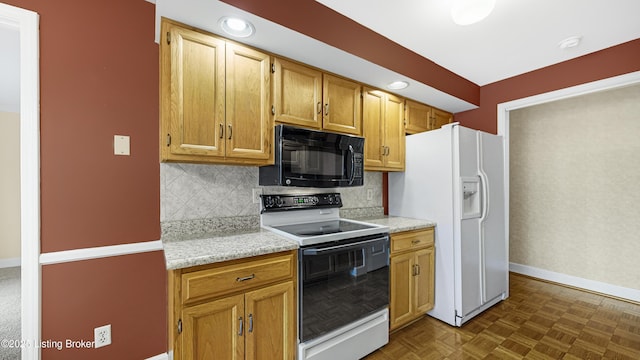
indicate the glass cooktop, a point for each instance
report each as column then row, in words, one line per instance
column 322, row 228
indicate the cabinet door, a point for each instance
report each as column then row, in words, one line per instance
column 213, row 330
column 271, row 326
column 402, row 287
column 394, row 133
column 373, row 127
column 440, row 118
column 342, row 105
column 249, row 125
column 425, row 280
column 193, row 94
column 417, row 117
column 297, row 94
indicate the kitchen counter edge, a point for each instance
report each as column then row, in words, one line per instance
column 180, row 254
column 211, row 249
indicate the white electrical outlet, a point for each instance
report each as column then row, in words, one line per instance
column 256, row 195
column 102, row 336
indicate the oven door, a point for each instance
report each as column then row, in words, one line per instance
column 341, row 282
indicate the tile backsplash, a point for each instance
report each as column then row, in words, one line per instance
column 193, row 191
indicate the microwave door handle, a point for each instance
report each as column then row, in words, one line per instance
column 353, row 165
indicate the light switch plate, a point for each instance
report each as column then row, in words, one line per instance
column 121, row 145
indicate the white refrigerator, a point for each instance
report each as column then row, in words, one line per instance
column 455, row 176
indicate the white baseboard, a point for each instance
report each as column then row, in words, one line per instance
column 11, row 262
column 591, row 285
column 163, row 356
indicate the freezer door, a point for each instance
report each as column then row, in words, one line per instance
column 494, row 243
column 468, row 249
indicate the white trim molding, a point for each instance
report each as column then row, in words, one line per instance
column 164, row 356
column 27, row 23
column 10, row 262
column 574, row 281
column 99, row 252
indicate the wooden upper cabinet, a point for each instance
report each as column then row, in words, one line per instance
column 373, row 127
column 215, row 99
column 249, row 125
column 193, row 93
column 394, row 132
column 440, row 117
column 297, row 94
column 341, row 105
column 383, row 130
column 420, row 117
column 417, row 117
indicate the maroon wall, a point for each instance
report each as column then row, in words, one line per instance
column 99, row 78
column 614, row 61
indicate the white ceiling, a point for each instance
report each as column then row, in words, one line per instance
column 518, row 37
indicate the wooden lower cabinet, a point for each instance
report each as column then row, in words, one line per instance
column 411, row 276
column 253, row 323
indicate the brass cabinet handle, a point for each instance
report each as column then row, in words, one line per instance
column 230, row 131
column 221, row 130
column 240, row 326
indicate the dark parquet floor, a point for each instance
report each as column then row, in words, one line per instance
column 539, row 320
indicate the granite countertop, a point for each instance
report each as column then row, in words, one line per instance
column 212, row 248
column 182, row 250
column 399, row 224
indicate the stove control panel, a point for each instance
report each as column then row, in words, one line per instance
column 292, row 202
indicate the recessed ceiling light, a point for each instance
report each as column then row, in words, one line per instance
column 467, row 12
column 398, row 85
column 236, row 27
column 570, row 42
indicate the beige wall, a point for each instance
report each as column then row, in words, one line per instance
column 9, row 185
column 575, row 186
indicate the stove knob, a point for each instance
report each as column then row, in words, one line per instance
column 314, row 200
column 330, row 199
column 337, row 199
column 279, row 201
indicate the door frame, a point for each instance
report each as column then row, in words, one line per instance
column 27, row 24
column 503, row 129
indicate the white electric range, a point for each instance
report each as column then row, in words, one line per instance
column 343, row 275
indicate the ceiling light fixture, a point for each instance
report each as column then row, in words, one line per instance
column 467, row 12
column 236, row 27
column 570, row 42
column 397, row 85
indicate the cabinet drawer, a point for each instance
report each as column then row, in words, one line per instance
column 411, row 240
column 236, row 276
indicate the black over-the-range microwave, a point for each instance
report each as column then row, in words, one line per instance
column 311, row 158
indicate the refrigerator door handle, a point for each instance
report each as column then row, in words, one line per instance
column 484, row 203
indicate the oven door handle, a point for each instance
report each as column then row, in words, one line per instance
column 330, row 249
